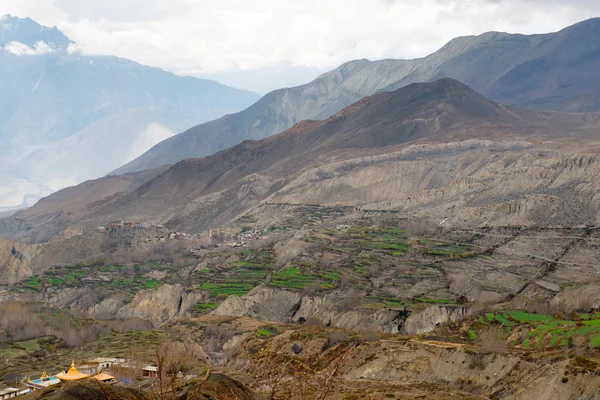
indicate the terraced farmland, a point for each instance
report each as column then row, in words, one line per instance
column 538, row 331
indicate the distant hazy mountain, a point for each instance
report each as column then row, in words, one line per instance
column 557, row 71
column 66, row 117
column 266, row 79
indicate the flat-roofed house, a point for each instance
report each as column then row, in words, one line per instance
column 9, row 393
column 42, row 382
column 151, row 371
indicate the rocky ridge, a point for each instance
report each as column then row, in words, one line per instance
column 501, row 66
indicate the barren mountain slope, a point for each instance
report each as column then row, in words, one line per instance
column 57, row 211
column 557, row 71
column 410, row 149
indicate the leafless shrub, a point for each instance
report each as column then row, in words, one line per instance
column 492, row 340
column 335, row 338
column 369, row 336
column 327, row 260
column 312, row 288
column 349, row 303
column 346, row 282
column 131, row 324
column 214, row 337
column 313, row 321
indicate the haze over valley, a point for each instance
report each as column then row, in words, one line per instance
column 67, row 117
column 416, row 226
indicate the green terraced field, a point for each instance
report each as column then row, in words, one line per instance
column 543, row 331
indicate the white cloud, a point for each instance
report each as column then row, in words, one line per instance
column 73, row 48
column 21, row 49
column 211, row 36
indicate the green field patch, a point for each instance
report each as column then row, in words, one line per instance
column 121, row 283
column 559, row 322
column 331, row 276
column 253, row 273
column 263, row 333
column 75, row 275
column 152, row 284
column 472, row 335
column 30, row 345
column 289, row 272
column 266, row 332
column 298, row 282
column 522, row 316
column 595, row 341
column 206, row 306
column 33, row 282
column 555, row 336
column 395, row 304
column 503, row 320
column 56, row 281
column 248, row 264
column 593, row 322
column 11, row 353
column 437, row 301
column 226, row 289
column 586, row 330
column 526, row 343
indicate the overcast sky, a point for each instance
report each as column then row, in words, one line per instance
column 240, row 38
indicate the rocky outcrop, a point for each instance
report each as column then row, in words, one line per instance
column 577, row 298
column 162, row 304
column 327, row 309
column 158, row 305
column 278, row 305
column 433, row 317
column 16, row 261
column 264, row 303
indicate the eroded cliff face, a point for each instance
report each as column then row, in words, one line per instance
column 16, row 261
column 270, row 304
column 157, row 305
column 161, row 304
column 433, row 317
column 463, row 185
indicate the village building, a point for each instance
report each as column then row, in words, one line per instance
column 42, row 382
column 9, row 393
column 102, row 363
column 88, row 369
column 105, row 378
column 72, row 374
column 150, row 371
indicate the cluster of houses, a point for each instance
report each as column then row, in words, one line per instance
column 105, row 370
column 242, row 239
column 128, row 225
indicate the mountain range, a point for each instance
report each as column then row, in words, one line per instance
column 438, row 148
column 555, row 71
column 66, row 117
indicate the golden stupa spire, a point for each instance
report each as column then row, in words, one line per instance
column 73, row 363
column 44, row 375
